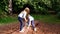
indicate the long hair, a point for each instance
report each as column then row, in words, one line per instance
column 28, row 11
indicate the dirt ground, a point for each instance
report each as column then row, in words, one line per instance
column 42, row 28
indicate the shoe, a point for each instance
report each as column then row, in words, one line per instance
column 35, row 29
column 22, row 30
column 28, row 27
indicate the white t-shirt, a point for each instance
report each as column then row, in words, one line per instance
column 22, row 14
column 30, row 19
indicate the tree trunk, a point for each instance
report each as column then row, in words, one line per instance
column 10, row 7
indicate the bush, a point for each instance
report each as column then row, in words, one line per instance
column 58, row 15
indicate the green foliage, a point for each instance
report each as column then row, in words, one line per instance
column 37, row 7
column 3, row 7
column 3, row 4
column 55, row 5
column 58, row 15
column 8, row 19
column 40, row 6
column 51, row 19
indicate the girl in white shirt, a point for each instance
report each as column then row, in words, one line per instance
column 31, row 22
column 22, row 18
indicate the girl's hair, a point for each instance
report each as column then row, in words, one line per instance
column 28, row 11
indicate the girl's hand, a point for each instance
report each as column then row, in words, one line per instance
column 26, row 21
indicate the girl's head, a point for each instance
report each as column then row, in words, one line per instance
column 27, row 10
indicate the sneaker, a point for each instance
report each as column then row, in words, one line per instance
column 35, row 29
column 22, row 30
column 28, row 27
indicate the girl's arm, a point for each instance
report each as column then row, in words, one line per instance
column 24, row 16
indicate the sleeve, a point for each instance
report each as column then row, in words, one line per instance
column 31, row 18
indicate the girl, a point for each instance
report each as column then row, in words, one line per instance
column 22, row 18
column 31, row 22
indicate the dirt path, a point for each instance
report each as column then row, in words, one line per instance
column 42, row 28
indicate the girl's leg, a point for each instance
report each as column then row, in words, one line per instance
column 21, row 23
column 28, row 22
column 33, row 25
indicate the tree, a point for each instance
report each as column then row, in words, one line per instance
column 10, row 7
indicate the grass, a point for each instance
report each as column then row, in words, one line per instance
column 8, row 19
column 52, row 19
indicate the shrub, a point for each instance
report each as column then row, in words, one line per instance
column 58, row 15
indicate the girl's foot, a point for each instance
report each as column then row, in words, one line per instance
column 22, row 30
column 35, row 29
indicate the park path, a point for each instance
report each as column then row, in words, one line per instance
column 42, row 28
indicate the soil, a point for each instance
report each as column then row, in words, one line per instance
column 42, row 28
